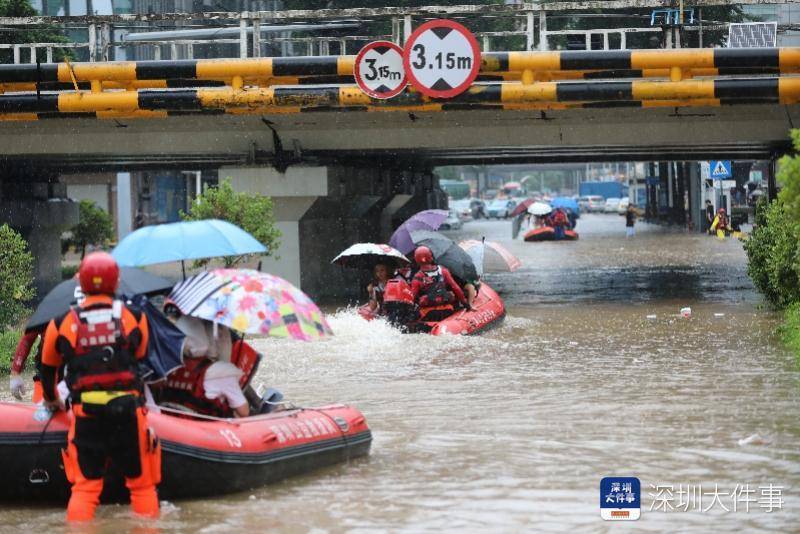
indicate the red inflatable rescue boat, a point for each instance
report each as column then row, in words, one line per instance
column 548, row 233
column 488, row 310
column 201, row 457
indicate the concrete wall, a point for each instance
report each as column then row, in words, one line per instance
column 96, row 193
column 323, row 210
column 34, row 204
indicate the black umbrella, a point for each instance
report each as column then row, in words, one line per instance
column 447, row 253
column 165, row 350
column 132, row 282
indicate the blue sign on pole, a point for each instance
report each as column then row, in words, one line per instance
column 620, row 498
column 720, row 169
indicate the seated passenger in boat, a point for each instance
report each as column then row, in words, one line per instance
column 406, row 273
column 434, row 288
column 207, row 383
column 377, row 287
column 471, row 288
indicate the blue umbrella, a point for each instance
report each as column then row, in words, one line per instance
column 191, row 240
column 565, row 202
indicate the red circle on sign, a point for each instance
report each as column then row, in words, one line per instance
column 357, row 70
column 476, row 54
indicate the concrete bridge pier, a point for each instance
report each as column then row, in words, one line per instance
column 321, row 210
column 34, row 202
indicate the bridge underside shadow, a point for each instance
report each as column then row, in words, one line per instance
column 405, row 138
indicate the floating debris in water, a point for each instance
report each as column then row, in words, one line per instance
column 755, row 439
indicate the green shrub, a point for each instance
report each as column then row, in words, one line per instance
column 8, row 344
column 16, row 277
column 249, row 211
column 790, row 329
column 68, row 271
column 772, row 255
column 94, row 227
column 789, row 178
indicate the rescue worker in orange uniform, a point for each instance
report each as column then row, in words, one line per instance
column 101, row 341
column 434, row 288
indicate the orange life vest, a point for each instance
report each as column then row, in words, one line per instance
column 185, row 386
column 101, row 358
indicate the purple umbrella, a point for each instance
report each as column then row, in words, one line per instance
column 424, row 220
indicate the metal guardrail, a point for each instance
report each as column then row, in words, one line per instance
column 497, row 96
column 247, row 86
column 676, row 64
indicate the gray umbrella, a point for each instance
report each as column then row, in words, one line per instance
column 447, row 253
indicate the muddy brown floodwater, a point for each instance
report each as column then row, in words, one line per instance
column 513, row 430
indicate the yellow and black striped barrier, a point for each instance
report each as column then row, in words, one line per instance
column 194, row 69
column 684, row 58
column 516, row 96
column 680, row 63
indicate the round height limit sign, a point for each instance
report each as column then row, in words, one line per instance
column 378, row 69
column 442, row 58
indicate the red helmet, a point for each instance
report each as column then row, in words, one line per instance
column 423, row 256
column 99, row 274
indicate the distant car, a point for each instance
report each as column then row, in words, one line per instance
column 462, row 209
column 583, row 203
column 500, row 208
column 452, row 222
column 490, row 194
column 624, row 202
column 594, row 203
column 478, row 208
column 611, row 205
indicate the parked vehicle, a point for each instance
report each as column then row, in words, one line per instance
column 478, row 208
column 455, row 189
column 604, row 189
column 611, row 205
column 624, row 202
column 452, row 222
column 490, row 194
column 462, row 209
column 500, row 208
column 595, row 203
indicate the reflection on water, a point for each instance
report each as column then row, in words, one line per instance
column 513, row 430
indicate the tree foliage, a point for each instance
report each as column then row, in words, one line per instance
column 94, row 227
column 249, row 211
column 16, row 277
column 789, row 178
column 772, row 254
column 42, row 34
column 773, row 249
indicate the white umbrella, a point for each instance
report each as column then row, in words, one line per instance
column 367, row 255
column 490, row 257
column 539, row 208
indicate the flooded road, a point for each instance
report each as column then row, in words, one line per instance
column 513, row 430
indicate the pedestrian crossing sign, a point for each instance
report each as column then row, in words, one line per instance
column 720, row 169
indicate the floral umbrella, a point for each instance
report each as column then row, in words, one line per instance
column 251, row 302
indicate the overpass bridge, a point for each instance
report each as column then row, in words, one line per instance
column 343, row 166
